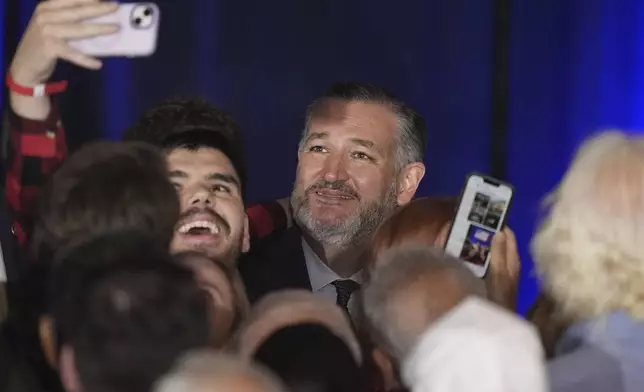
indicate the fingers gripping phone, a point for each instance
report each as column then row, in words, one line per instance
column 481, row 212
column 137, row 37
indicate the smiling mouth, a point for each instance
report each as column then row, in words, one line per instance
column 200, row 227
column 334, row 195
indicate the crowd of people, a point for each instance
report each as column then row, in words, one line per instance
column 136, row 266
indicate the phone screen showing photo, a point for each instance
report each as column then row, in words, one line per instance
column 480, row 215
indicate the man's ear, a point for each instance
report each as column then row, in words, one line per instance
column 246, row 239
column 408, row 182
column 441, row 240
column 47, row 335
column 67, row 371
column 386, row 367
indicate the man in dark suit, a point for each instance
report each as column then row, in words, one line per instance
column 361, row 156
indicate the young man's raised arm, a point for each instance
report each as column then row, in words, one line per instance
column 36, row 135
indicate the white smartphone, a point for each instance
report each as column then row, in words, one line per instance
column 481, row 212
column 137, row 37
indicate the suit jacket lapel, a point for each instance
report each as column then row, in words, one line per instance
column 294, row 265
column 277, row 263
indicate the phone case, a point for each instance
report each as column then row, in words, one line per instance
column 137, row 37
column 460, row 199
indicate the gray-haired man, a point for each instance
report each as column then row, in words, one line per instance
column 414, row 290
column 360, row 157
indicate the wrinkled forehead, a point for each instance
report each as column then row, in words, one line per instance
column 370, row 120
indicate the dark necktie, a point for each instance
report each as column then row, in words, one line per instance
column 344, row 288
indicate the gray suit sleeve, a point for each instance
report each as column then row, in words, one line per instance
column 585, row 370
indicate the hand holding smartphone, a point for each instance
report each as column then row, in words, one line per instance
column 137, row 36
column 481, row 213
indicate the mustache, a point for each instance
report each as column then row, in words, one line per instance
column 218, row 219
column 341, row 186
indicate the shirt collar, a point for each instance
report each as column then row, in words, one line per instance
column 320, row 275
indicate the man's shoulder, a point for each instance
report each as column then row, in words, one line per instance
column 276, row 263
column 586, row 369
column 276, row 244
column 272, row 252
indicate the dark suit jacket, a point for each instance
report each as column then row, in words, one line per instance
column 14, row 268
column 275, row 263
column 23, row 367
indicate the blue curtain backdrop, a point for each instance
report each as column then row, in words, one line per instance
column 265, row 61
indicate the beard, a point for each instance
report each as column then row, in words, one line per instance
column 228, row 256
column 360, row 224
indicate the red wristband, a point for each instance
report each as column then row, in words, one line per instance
column 38, row 90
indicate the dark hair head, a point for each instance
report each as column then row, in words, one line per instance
column 180, row 115
column 412, row 128
column 205, row 138
column 191, row 123
column 127, row 311
column 310, row 358
column 102, row 188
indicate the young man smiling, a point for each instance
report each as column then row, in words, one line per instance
column 37, row 137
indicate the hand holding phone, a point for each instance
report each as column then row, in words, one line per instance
column 502, row 278
column 44, row 41
column 481, row 213
column 137, row 35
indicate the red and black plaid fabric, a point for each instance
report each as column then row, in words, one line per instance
column 266, row 218
column 35, row 150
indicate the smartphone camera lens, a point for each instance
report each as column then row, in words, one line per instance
column 142, row 17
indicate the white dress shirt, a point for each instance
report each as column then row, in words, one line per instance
column 322, row 277
column 477, row 346
column 3, row 271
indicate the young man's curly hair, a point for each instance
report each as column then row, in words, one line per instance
column 178, row 115
column 191, row 123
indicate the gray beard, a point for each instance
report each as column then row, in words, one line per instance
column 351, row 231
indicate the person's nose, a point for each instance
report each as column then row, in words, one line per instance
column 335, row 168
column 201, row 196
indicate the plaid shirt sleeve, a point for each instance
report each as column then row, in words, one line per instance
column 35, row 150
column 266, row 218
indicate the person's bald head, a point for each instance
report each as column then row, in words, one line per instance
column 209, row 371
column 414, row 287
column 292, row 307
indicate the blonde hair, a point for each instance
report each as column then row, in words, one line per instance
column 589, row 248
column 207, row 371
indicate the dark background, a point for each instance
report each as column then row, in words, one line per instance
column 509, row 87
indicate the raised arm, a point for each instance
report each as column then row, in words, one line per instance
column 36, row 135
